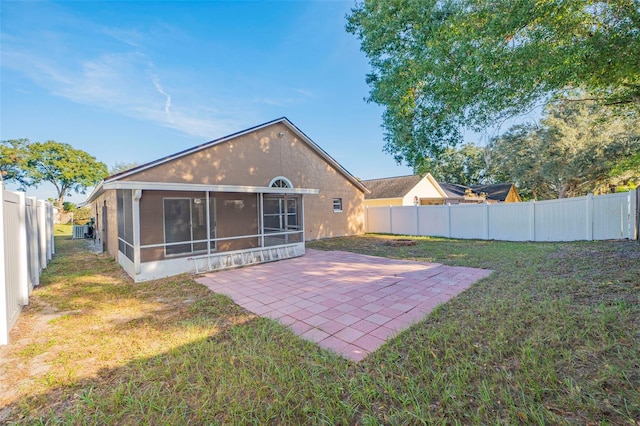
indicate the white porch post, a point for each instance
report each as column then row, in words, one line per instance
column 261, row 217
column 302, row 217
column 137, row 194
column 208, row 223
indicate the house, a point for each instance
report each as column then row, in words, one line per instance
column 499, row 192
column 253, row 196
column 492, row 193
column 402, row 191
column 425, row 190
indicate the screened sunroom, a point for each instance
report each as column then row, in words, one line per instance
column 169, row 228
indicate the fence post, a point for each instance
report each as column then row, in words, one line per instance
column 637, row 221
column 589, row 205
column 532, row 220
column 51, row 249
column 390, row 220
column 417, row 220
column 486, row 220
column 448, row 220
column 21, row 246
column 4, row 325
column 42, row 233
column 32, row 233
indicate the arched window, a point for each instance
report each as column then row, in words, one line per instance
column 280, row 182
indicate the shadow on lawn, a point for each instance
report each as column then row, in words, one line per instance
column 257, row 372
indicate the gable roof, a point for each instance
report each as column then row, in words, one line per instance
column 453, row 190
column 393, row 187
column 496, row 191
column 282, row 120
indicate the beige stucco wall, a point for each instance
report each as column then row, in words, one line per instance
column 255, row 159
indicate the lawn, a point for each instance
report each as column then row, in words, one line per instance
column 60, row 230
column 553, row 336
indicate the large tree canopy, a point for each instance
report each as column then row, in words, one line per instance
column 67, row 168
column 577, row 148
column 442, row 65
column 12, row 160
column 465, row 165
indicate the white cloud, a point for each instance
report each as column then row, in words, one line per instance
column 123, row 80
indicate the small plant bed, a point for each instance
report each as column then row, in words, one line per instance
column 551, row 337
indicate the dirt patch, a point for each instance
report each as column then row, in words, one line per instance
column 402, row 242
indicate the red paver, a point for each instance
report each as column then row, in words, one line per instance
column 346, row 302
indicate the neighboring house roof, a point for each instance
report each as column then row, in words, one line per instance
column 283, row 120
column 496, row 191
column 393, row 187
column 398, row 187
column 453, row 190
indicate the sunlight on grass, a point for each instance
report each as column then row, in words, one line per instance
column 60, row 230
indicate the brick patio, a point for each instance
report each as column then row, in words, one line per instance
column 346, row 302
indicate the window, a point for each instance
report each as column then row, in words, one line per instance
column 280, row 182
column 185, row 221
column 337, row 205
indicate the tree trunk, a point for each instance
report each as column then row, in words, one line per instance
column 59, row 202
column 563, row 190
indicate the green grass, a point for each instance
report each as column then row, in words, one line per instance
column 552, row 337
column 60, row 230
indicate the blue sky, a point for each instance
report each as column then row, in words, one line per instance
column 135, row 81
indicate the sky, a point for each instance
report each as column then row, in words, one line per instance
column 136, row 81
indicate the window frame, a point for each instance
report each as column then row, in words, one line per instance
column 337, row 205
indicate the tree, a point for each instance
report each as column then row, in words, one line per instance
column 577, row 148
column 122, row 166
column 67, row 168
column 12, row 160
column 439, row 66
column 464, row 166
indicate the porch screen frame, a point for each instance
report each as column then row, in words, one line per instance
column 209, row 241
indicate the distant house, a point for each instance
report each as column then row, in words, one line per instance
column 493, row 193
column 250, row 197
column 403, row 191
column 418, row 190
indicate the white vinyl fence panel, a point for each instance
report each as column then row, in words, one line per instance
column 404, row 219
column 613, row 217
column 26, row 243
column 511, row 221
column 603, row 217
column 468, row 221
column 434, row 221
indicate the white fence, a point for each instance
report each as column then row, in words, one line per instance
column 26, row 245
column 603, row 217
